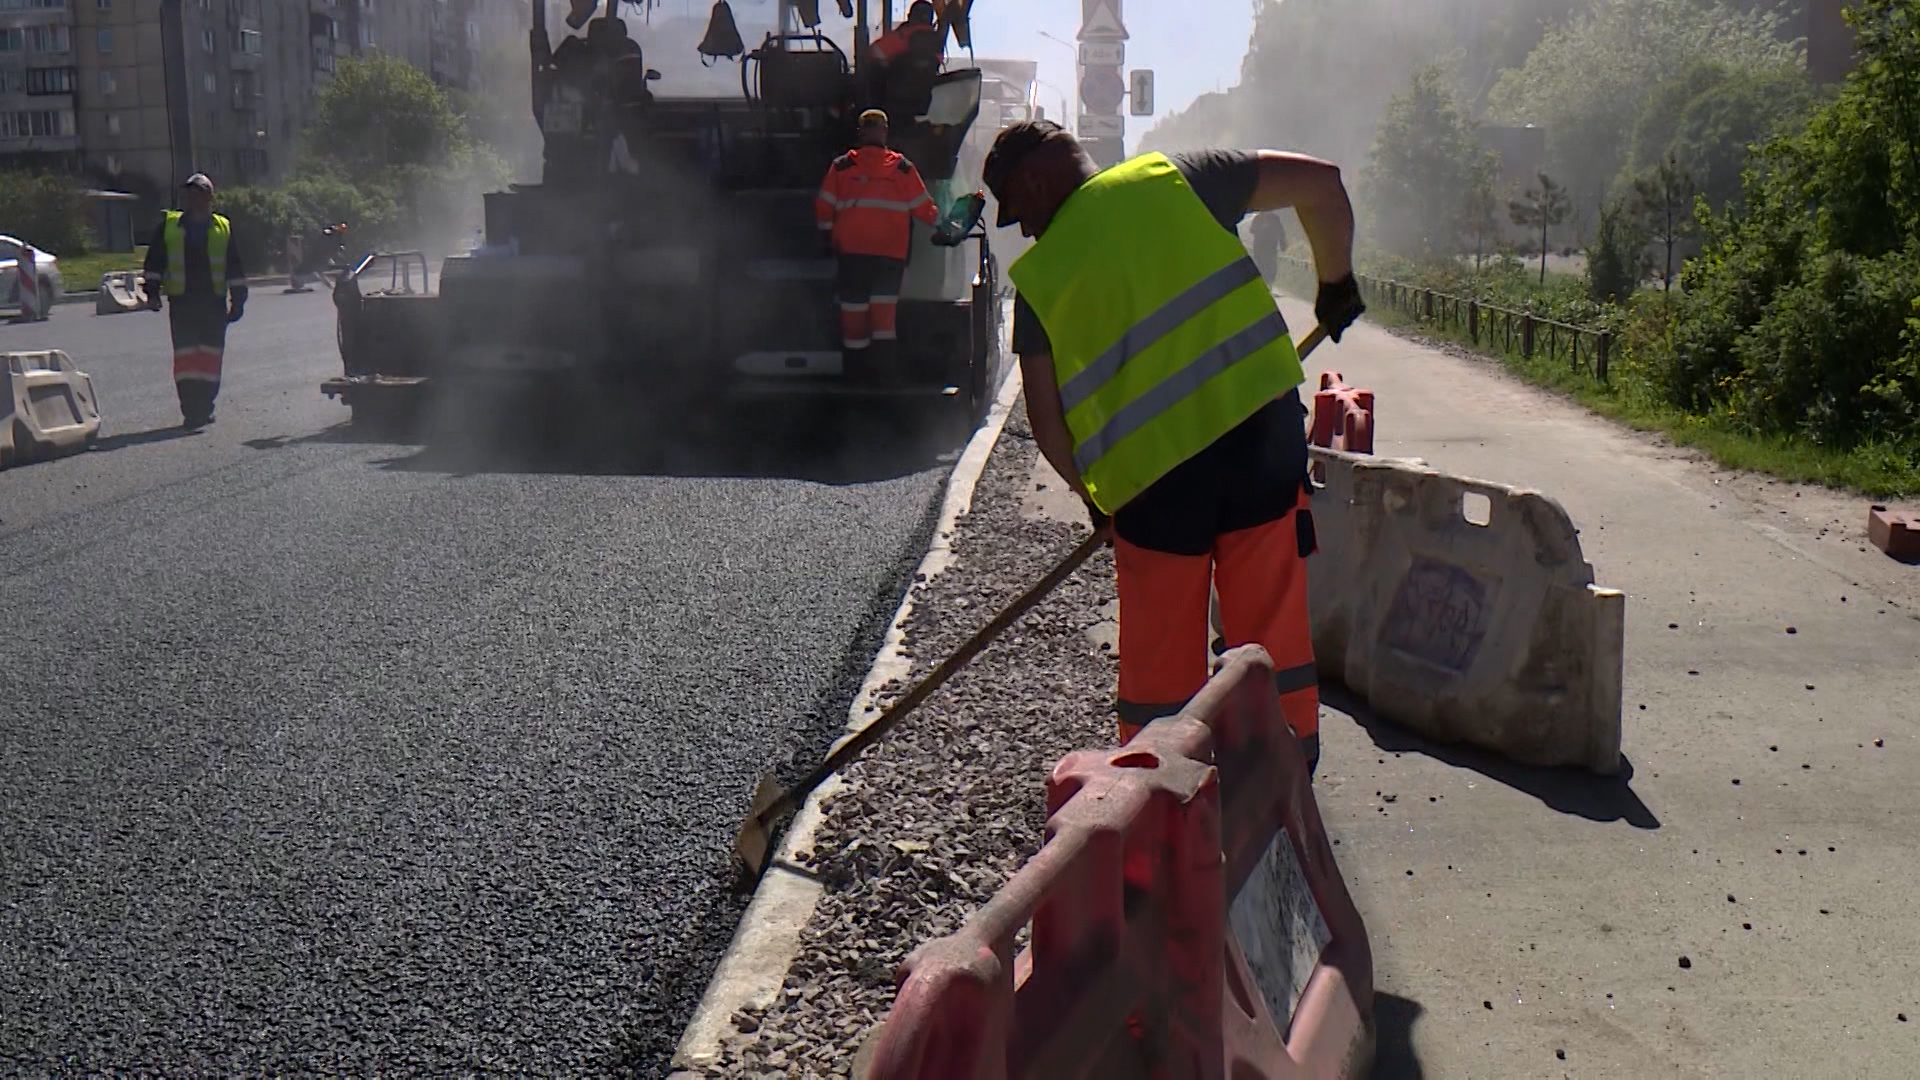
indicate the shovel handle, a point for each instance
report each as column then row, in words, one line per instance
column 924, row 689
column 937, row 678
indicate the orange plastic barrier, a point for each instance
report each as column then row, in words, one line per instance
column 1342, row 416
column 1133, row 968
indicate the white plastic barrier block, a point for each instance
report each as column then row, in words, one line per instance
column 121, row 291
column 50, row 406
column 1464, row 610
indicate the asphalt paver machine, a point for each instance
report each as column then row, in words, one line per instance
column 670, row 256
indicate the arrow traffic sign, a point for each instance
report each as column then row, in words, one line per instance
column 1100, row 21
column 1100, row 127
column 1103, row 54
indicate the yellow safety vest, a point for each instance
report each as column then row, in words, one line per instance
column 1164, row 334
column 218, row 233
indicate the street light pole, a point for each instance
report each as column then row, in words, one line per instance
column 1066, row 101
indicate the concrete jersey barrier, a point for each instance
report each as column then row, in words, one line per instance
column 121, row 291
column 50, row 407
column 1464, row 610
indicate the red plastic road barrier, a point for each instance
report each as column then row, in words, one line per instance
column 1342, row 416
column 1894, row 533
column 1133, row 969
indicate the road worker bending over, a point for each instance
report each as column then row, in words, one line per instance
column 1162, row 383
column 866, row 209
column 192, row 260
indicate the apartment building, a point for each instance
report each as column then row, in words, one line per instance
column 135, row 94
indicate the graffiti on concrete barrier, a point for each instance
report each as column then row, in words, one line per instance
column 1439, row 615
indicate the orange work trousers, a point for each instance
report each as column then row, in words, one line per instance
column 1164, row 624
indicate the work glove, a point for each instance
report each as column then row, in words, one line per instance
column 949, row 236
column 1338, row 306
column 235, row 310
column 153, row 301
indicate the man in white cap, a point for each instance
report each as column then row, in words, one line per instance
column 192, row 259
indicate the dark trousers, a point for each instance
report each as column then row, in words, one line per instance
column 868, row 289
column 199, row 325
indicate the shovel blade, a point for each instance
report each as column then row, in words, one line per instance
column 754, row 845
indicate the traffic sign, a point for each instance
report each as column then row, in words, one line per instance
column 1100, row 127
column 1100, row 21
column 1103, row 54
column 1102, row 90
column 1140, row 95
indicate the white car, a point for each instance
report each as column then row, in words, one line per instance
column 46, row 268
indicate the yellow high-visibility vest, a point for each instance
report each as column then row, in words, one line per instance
column 1165, row 337
column 219, row 231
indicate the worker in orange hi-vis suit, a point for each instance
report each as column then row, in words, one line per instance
column 896, row 42
column 866, row 208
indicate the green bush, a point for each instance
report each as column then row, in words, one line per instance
column 46, row 211
column 1616, row 263
column 1799, row 316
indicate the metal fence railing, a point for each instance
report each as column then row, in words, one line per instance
column 1486, row 326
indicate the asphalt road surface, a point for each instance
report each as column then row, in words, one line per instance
column 327, row 756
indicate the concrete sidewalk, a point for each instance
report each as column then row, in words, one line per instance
column 1742, row 904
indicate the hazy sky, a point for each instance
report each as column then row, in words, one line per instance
column 1193, row 46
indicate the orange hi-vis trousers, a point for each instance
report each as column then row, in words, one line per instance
column 1164, row 622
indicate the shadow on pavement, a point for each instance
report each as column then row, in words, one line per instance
column 1570, row 791
column 836, row 446
column 144, row 438
column 1393, row 1054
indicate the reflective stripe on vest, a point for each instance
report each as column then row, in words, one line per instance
column 174, row 280
column 1164, row 334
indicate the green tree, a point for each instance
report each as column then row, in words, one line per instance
column 1542, row 207
column 1710, row 118
column 1421, row 168
column 383, row 113
column 1798, row 316
column 44, row 210
column 1616, row 262
column 1588, row 80
column 1663, row 202
column 1480, row 209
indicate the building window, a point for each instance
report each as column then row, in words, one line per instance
column 48, row 39
column 206, row 40
column 36, row 124
column 211, row 82
column 13, row 81
column 107, row 82
column 51, row 81
column 113, row 123
column 247, row 42
column 103, row 42
column 113, row 160
column 12, row 39
column 104, row 5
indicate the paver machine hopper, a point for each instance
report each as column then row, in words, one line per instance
column 670, row 257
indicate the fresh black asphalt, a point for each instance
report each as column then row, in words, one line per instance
column 320, row 755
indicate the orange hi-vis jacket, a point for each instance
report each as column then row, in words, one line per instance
column 897, row 41
column 868, row 200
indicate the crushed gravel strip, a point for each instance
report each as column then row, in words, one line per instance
column 934, row 820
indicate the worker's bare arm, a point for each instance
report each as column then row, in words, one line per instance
column 1048, row 421
column 1318, row 196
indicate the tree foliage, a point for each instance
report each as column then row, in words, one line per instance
column 46, row 211
column 382, row 113
column 1800, row 315
column 1588, row 81
column 1616, row 262
column 1663, row 203
column 1543, row 206
column 1423, row 166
